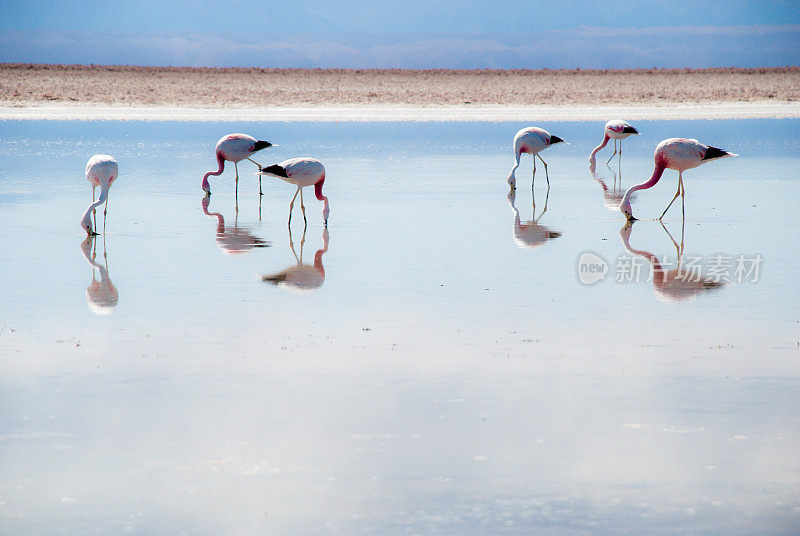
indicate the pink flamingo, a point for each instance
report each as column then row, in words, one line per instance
column 673, row 153
column 301, row 172
column 302, row 277
column 531, row 140
column 616, row 129
column 671, row 285
column 101, row 170
column 235, row 148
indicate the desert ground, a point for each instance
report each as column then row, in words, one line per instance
column 64, row 90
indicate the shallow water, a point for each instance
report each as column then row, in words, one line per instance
column 439, row 368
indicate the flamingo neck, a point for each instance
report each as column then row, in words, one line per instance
column 512, row 179
column 318, row 192
column 658, row 170
column 594, row 152
column 221, row 163
column 86, row 220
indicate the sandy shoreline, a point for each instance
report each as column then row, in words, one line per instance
column 31, row 91
column 673, row 111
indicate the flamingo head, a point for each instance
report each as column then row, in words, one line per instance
column 86, row 223
column 625, row 208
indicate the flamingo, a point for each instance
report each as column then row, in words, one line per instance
column 233, row 240
column 102, row 296
column 101, row 170
column 531, row 140
column 616, row 129
column 530, row 234
column 302, row 277
column 301, row 172
column 671, row 285
column 235, row 148
column 673, row 153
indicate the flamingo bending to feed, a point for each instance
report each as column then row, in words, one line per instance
column 673, row 153
column 101, row 170
column 235, row 148
column 616, row 129
column 531, row 140
column 301, row 172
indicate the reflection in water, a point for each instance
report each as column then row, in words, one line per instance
column 302, row 277
column 102, row 296
column 671, row 285
column 530, row 234
column 612, row 197
column 233, row 240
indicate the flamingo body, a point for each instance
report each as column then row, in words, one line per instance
column 302, row 172
column 102, row 171
column 233, row 148
column 615, row 129
column 679, row 154
column 531, row 140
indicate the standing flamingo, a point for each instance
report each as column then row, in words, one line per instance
column 301, row 172
column 101, row 170
column 673, row 153
column 616, row 129
column 531, row 140
column 235, row 148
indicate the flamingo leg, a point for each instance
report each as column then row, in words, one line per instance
column 683, row 194
column 94, row 212
column 303, row 208
column 674, row 198
column 612, row 155
column 259, row 177
column 105, row 212
column 533, row 178
column 546, row 197
column 545, row 170
column 291, row 206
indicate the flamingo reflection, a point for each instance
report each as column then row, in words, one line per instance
column 302, row 277
column 530, row 234
column 612, row 197
column 679, row 284
column 233, row 240
column 102, row 296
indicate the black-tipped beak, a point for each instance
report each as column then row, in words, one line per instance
column 262, row 145
column 631, row 218
column 555, row 139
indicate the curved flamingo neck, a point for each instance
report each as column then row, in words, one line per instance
column 596, row 149
column 658, row 170
column 100, row 200
column 318, row 192
column 221, row 163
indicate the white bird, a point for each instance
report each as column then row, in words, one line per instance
column 235, row 148
column 301, row 172
column 101, row 170
column 616, row 129
column 531, row 140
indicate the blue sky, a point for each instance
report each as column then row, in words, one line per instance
column 425, row 34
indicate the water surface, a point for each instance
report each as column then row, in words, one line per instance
column 431, row 364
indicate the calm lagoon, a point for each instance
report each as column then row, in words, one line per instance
column 442, row 369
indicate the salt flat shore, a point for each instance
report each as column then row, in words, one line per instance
column 29, row 91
